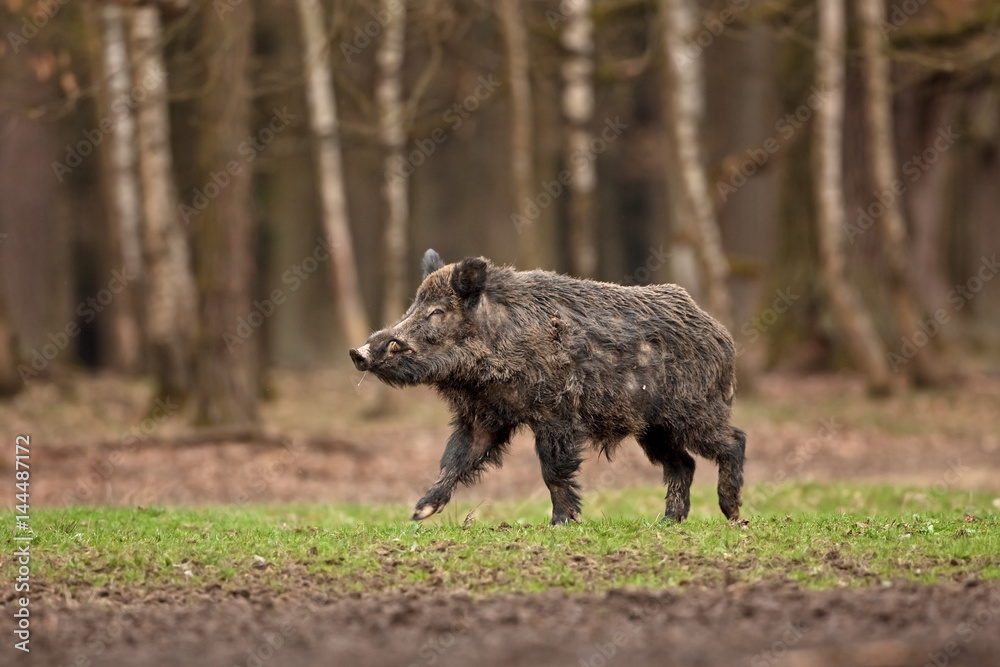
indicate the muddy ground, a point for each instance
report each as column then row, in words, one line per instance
column 904, row 624
column 93, row 442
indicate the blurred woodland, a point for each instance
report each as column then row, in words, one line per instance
column 201, row 190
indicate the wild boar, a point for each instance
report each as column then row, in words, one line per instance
column 577, row 362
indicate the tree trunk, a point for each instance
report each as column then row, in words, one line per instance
column 928, row 204
column 578, row 108
column 853, row 319
column 522, row 170
column 300, row 331
column 227, row 365
column 10, row 380
column 171, row 296
column 882, row 155
column 685, row 107
column 121, row 185
column 323, row 121
column 392, row 135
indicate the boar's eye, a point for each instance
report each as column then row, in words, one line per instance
column 436, row 311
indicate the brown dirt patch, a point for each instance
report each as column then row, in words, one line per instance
column 906, row 624
column 95, row 444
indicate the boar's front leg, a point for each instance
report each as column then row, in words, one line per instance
column 559, row 453
column 468, row 452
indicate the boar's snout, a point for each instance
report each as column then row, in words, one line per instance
column 360, row 357
column 380, row 347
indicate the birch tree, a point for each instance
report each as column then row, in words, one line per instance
column 392, row 136
column 323, row 123
column 578, row 108
column 119, row 165
column 685, row 107
column 882, row 159
column 170, row 290
column 853, row 319
column 522, row 170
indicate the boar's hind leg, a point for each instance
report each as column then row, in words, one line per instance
column 467, row 453
column 559, row 454
column 678, row 471
column 730, row 455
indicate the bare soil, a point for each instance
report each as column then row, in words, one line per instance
column 95, row 441
column 905, row 624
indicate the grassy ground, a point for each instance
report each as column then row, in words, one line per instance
column 816, row 535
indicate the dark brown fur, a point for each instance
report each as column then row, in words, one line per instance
column 576, row 361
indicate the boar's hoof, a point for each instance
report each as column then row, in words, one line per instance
column 433, row 501
column 424, row 511
column 560, row 520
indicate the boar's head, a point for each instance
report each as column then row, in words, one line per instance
column 435, row 340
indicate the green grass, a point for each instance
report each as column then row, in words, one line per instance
column 815, row 535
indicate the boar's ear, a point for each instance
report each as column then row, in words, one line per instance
column 469, row 277
column 431, row 262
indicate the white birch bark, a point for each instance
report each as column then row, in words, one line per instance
column 694, row 208
column 121, row 142
column 171, row 303
column 120, row 166
column 882, row 156
column 392, row 135
column 578, row 108
column 854, row 321
column 323, row 122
